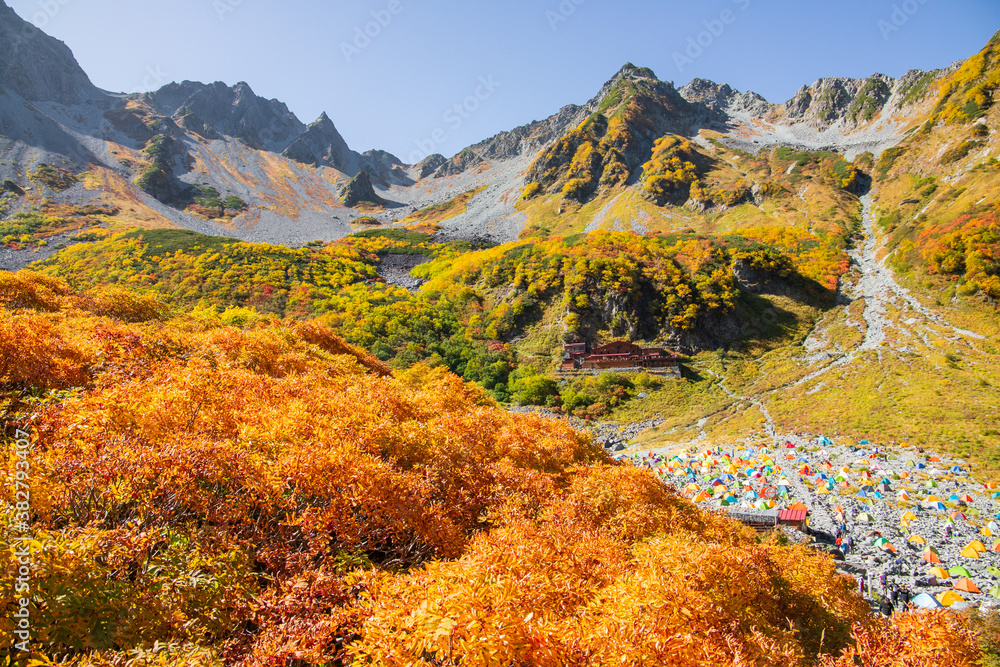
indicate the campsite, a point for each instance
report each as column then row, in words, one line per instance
column 915, row 520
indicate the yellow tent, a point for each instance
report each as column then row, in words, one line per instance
column 692, row 488
column 948, row 598
column 978, row 546
column 916, row 539
column 939, row 572
column 822, row 491
column 969, row 552
column 909, row 516
column 986, row 531
column 934, row 499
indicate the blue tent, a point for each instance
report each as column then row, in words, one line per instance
column 864, row 442
column 958, row 469
column 925, row 601
column 825, row 441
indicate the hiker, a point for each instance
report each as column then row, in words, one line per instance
column 882, row 580
column 861, row 586
column 885, row 607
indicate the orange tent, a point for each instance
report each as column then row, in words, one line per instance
column 930, row 557
column 969, row 552
column 799, row 506
column 934, row 459
column 966, row 585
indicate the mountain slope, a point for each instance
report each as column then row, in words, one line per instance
column 232, row 142
column 37, row 67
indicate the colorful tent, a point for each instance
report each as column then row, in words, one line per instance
column 916, row 539
column 948, row 598
column 959, row 571
column 967, row 585
column 930, row 555
column 939, row 572
column 925, row 601
column 978, row 546
column 969, row 552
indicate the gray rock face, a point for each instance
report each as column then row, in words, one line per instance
column 524, row 140
column 430, row 164
column 321, row 144
column 383, row 167
column 826, row 102
column 232, row 111
column 832, row 99
column 360, row 190
column 38, row 67
column 722, row 100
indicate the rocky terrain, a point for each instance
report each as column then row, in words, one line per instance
column 227, row 138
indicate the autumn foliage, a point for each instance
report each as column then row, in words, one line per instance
column 207, row 495
column 968, row 248
column 912, row 640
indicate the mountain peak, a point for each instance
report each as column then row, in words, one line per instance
column 632, row 71
column 38, row 67
column 322, row 144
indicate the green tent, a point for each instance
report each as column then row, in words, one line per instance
column 959, row 571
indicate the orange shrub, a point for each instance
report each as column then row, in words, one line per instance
column 916, row 639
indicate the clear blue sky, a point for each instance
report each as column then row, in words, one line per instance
column 543, row 54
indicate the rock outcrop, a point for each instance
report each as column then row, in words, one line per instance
column 231, row 111
column 359, row 190
column 321, row 144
